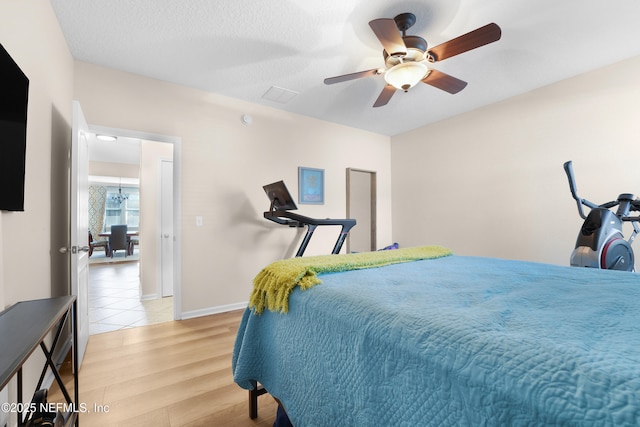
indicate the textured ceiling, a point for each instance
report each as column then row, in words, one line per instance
column 241, row 48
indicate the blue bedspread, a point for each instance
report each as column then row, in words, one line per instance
column 456, row 341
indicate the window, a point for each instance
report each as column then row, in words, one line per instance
column 127, row 212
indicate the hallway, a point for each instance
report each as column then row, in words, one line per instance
column 114, row 299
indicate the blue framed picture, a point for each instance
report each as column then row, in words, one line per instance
column 310, row 186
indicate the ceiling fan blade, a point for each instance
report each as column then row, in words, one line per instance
column 469, row 41
column 444, row 81
column 385, row 96
column 386, row 30
column 352, row 76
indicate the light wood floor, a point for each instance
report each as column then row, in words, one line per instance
column 167, row 375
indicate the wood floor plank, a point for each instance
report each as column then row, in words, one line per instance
column 173, row 374
column 158, row 418
column 168, row 377
column 148, row 360
column 154, row 361
column 226, row 406
column 237, row 415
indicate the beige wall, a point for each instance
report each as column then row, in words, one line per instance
column 224, row 166
column 491, row 182
column 30, row 32
column 30, row 265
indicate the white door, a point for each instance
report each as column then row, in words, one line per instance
column 166, row 226
column 79, row 213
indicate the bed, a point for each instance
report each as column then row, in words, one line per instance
column 455, row 340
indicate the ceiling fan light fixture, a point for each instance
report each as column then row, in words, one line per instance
column 405, row 75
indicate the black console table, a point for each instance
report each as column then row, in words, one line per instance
column 23, row 327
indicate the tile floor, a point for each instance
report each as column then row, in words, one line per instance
column 114, row 299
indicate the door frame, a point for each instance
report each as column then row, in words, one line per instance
column 160, row 271
column 177, row 200
column 373, row 206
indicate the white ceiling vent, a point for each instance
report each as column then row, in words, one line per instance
column 279, row 94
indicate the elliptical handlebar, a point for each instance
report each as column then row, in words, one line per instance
column 609, row 205
column 568, row 168
column 629, row 204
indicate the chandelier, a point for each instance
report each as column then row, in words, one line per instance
column 120, row 197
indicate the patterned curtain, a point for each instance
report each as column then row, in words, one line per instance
column 97, row 199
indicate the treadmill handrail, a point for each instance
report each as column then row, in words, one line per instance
column 297, row 220
column 277, row 216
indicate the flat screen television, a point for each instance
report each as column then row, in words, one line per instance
column 14, row 96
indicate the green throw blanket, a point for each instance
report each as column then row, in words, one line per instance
column 272, row 286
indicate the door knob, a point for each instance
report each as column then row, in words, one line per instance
column 73, row 249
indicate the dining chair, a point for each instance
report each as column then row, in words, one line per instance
column 133, row 242
column 118, row 239
column 104, row 244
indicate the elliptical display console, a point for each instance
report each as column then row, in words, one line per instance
column 600, row 243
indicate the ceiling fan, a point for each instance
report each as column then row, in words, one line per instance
column 406, row 58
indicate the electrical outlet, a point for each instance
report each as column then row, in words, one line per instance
column 198, row 221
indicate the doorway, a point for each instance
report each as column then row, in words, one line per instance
column 148, row 277
column 361, row 205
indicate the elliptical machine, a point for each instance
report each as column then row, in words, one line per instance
column 600, row 243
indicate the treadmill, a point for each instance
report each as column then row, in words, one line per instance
column 280, row 212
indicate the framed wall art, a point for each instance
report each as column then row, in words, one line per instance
column 310, row 186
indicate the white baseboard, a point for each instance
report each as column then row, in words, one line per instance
column 149, row 297
column 213, row 310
